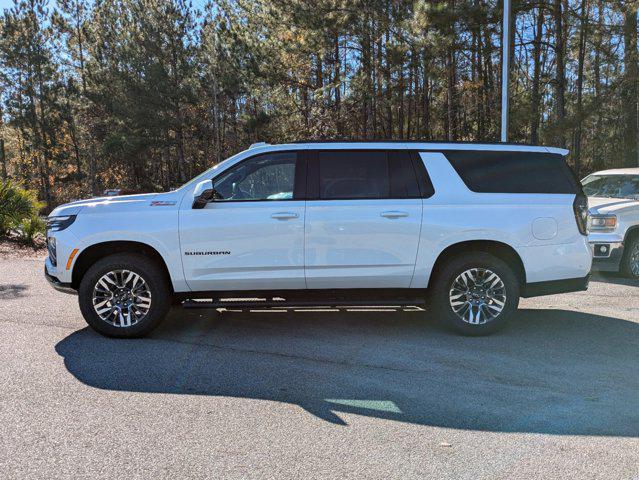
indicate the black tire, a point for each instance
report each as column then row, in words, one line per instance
column 626, row 262
column 443, row 282
column 152, row 274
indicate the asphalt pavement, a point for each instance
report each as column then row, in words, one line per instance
column 377, row 393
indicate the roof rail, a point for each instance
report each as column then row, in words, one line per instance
column 258, row 144
column 381, row 140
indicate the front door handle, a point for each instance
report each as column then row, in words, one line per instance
column 394, row 214
column 284, row 215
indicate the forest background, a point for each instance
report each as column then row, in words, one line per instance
column 145, row 94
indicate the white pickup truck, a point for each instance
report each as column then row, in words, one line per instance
column 613, row 200
column 474, row 226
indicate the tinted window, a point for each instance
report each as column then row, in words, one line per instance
column 346, row 174
column 424, row 183
column 403, row 181
column 513, row 172
column 265, row 177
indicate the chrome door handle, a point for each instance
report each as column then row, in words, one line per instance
column 284, row 215
column 394, row 214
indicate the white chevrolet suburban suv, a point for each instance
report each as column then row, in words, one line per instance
column 470, row 227
column 613, row 197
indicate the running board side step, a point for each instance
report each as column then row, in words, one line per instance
column 271, row 303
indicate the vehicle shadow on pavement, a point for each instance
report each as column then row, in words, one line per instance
column 10, row 291
column 551, row 371
column 616, row 279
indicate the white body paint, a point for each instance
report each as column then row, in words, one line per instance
column 317, row 244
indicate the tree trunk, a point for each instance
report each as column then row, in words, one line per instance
column 451, row 110
column 319, row 85
column 3, row 159
column 598, row 154
column 560, row 79
column 426, row 95
column 451, row 80
column 478, row 78
column 489, row 85
column 400, row 101
column 535, row 101
column 583, row 33
column 337, row 81
column 631, row 85
column 366, row 72
column 389, row 90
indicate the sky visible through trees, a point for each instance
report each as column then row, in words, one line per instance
column 145, row 94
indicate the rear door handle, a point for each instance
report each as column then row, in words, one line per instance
column 394, row 214
column 284, row 215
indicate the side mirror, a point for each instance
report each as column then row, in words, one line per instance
column 204, row 193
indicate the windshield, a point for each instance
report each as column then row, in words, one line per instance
column 613, row 186
column 211, row 171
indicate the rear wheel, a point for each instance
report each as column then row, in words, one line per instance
column 124, row 295
column 475, row 293
column 630, row 262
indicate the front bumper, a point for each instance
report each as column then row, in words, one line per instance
column 607, row 251
column 607, row 256
column 58, row 285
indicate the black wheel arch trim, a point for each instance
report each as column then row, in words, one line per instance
column 97, row 251
column 499, row 249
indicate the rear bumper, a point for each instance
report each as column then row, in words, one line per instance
column 58, row 285
column 538, row 289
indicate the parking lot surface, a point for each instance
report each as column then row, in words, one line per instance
column 324, row 394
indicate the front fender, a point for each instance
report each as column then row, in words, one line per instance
column 157, row 228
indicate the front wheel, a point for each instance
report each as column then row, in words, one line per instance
column 630, row 262
column 124, row 296
column 475, row 293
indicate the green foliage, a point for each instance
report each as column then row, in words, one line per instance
column 31, row 231
column 144, row 94
column 16, row 205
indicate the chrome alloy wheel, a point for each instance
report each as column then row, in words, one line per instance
column 121, row 298
column 633, row 262
column 477, row 296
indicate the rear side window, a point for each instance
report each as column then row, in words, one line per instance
column 352, row 175
column 364, row 174
column 513, row 172
column 403, row 180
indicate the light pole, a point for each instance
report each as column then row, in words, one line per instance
column 505, row 70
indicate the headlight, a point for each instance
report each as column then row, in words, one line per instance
column 602, row 223
column 52, row 251
column 55, row 224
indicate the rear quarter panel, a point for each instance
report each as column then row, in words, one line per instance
column 540, row 228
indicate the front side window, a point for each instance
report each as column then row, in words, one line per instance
column 265, row 177
column 614, row 186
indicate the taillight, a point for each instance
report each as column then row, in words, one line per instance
column 580, row 207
